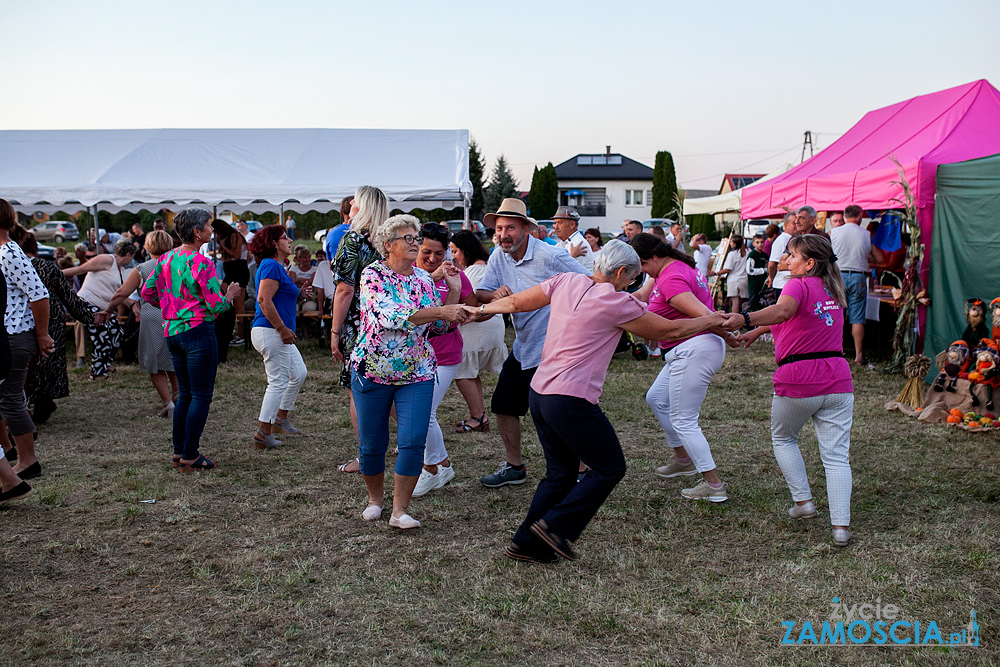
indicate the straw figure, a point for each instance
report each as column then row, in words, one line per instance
column 915, row 369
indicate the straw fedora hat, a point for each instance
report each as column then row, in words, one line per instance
column 509, row 208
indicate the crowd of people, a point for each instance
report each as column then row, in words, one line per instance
column 414, row 309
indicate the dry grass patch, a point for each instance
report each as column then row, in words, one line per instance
column 267, row 562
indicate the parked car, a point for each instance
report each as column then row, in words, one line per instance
column 252, row 225
column 46, row 252
column 751, row 227
column 476, row 226
column 55, row 231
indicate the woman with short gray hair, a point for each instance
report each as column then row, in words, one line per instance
column 586, row 317
column 393, row 363
column 184, row 286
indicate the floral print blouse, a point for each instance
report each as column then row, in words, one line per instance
column 393, row 349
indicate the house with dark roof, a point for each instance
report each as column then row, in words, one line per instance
column 606, row 189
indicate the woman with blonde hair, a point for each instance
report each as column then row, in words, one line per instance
column 813, row 379
column 154, row 357
column 369, row 210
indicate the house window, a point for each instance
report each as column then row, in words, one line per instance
column 634, row 198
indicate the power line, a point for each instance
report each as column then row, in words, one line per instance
column 746, row 166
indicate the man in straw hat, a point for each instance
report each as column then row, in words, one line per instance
column 523, row 262
column 566, row 222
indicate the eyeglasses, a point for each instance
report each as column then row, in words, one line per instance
column 410, row 239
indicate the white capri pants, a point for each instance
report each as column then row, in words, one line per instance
column 832, row 416
column 285, row 372
column 679, row 390
column 434, row 451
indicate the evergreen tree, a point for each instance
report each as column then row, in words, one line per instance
column 502, row 185
column 664, row 187
column 534, row 193
column 544, row 195
column 477, row 169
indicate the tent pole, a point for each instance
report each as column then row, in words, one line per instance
column 465, row 211
column 97, row 230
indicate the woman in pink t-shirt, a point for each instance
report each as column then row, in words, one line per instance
column 437, row 470
column 813, row 378
column 586, row 318
column 679, row 291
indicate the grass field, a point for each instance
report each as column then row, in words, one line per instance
column 267, row 562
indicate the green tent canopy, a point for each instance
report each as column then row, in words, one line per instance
column 965, row 247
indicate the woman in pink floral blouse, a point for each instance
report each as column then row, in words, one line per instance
column 393, row 362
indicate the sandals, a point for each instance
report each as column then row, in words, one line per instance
column 343, row 466
column 465, row 426
column 200, row 463
column 176, row 460
column 263, row 440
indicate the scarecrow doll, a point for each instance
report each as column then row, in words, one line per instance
column 986, row 372
column 953, row 362
column 975, row 315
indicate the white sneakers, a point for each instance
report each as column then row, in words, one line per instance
column 428, row 482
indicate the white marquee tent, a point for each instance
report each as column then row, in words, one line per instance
column 299, row 169
column 728, row 202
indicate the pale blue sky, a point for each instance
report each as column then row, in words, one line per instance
column 722, row 85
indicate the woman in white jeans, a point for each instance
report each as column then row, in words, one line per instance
column 813, row 379
column 437, row 470
column 678, row 290
column 273, row 335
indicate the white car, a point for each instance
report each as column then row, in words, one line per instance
column 321, row 235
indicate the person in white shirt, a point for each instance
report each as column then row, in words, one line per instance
column 565, row 222
column 777, row 278
column 853, row 248
column 702, row 253
column 242, row 228
column 735, row 267
column 676, row 237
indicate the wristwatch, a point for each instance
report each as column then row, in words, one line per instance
column 482, row 309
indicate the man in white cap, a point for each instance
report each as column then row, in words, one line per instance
column 523, row 262
column 566, row 222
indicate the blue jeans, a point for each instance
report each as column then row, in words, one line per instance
column 413, row 415
column 856, row 285
column 570, row 430
column 195, row 354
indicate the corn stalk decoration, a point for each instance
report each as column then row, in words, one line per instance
column 904, row 336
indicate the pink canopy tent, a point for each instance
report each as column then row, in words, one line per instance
column 952, row 125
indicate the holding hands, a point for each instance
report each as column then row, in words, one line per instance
column 458, row 313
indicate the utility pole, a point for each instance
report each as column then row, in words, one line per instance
column 807, row 141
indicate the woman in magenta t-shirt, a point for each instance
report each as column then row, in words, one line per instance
column 679, row 291
column 586, row 318
column 813, row 378
column 448, row 348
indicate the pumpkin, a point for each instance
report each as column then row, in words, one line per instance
column 952, row 419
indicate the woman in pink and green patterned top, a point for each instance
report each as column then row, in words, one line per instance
column 393, row 362
column 184, row 287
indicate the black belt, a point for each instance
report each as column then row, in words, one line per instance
column 850, row 271
column 809, row 355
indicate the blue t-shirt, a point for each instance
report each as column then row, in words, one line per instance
column 333, row 240
column 285, row 299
